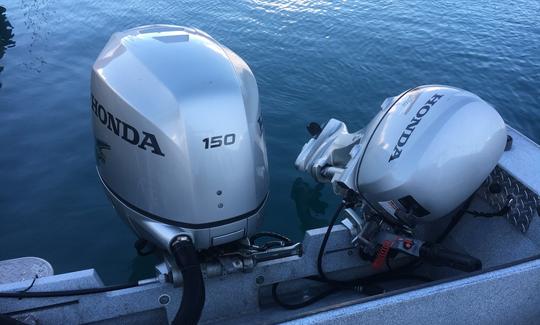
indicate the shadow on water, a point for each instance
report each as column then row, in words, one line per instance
column 142, row 267
column 309, row 206
column 6, row 36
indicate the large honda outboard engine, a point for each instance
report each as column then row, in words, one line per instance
column 179, row 139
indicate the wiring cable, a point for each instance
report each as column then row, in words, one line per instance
column 66, row 293
column 367, row 285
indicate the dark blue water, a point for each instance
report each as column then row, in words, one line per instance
column 313, row 60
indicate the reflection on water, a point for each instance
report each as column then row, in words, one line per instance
column 6, row 35
column 308, row 203
column 142, row 267
column 295, row 6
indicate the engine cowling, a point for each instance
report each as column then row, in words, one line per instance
column 428, row 150
column 179, row 139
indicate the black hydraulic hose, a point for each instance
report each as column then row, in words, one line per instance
column 193, row 294
column 65, row 293
column 367, row 285
column 287, row 241
column 302, row 304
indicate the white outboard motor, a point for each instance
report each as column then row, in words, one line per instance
column 179, row 138
column 422, row 155
column 427, row 151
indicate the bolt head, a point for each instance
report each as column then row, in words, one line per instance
column 164, row 299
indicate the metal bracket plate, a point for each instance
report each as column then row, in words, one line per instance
column 526, row 204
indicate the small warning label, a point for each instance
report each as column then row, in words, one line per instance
column 389, row 206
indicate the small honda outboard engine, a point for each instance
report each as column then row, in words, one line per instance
column 419, row 160
column 179, row 138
